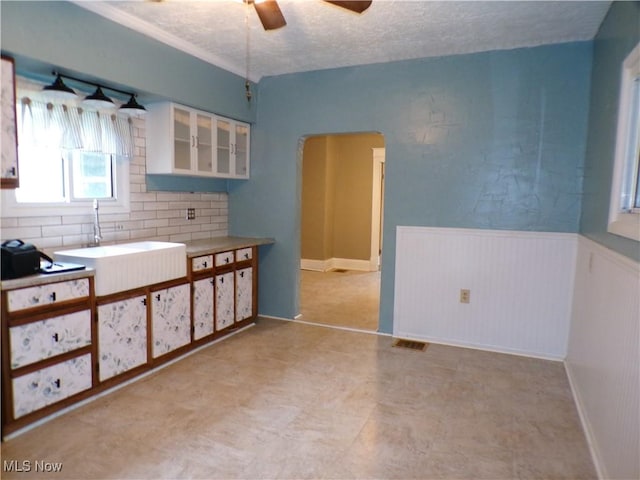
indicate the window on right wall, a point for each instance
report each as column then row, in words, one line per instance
column 624, row 208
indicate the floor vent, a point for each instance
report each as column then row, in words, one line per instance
column 339, row 270
column 410, row 344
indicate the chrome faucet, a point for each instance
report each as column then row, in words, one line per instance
column 97, row 234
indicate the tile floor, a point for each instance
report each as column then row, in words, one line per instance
column 346, row 299
column 284, row 400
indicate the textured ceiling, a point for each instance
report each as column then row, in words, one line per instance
column 319, row 35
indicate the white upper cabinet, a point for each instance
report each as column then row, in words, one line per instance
column 232, row 159
column 185, row 141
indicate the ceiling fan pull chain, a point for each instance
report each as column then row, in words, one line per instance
column 247, row 84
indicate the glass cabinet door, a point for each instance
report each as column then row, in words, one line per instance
column 223, row 165
column 204, row 142
column 182, row 140
column 241, row 149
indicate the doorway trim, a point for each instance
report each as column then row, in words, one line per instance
column 377, row 206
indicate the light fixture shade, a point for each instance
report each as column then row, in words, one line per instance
column 98, row 100
column 58, row 89
column 132, row 106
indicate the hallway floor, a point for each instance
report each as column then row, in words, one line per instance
column 285, row 400
column 345, row 299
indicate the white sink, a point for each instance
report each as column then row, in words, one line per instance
column 130, row 265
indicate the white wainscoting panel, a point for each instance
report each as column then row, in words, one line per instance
column 603, row 359
column 521, row 287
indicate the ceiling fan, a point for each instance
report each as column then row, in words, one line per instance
column 271, row 16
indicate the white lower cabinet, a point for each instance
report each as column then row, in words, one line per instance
column 170, row 319
column 37, row 341
column 203, row 310
column 244, row 294
column 51, row 384
column 225, row 311
column 122, row 336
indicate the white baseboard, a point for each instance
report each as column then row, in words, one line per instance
column 314, row 265
column 586, row 426
column 334, row 263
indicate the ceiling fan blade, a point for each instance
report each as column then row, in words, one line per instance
column 270, row 14
column 355, row 6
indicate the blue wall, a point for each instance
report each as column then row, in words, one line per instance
column 491, row 140
column 618, row 35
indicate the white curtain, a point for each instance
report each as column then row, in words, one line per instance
column 72, row 127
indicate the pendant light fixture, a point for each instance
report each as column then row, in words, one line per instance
column 59, row 90
column 97, row 99
column 132, row 106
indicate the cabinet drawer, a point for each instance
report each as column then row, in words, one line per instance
column 50, row 385
column 201, row 263
column 37, row 341
column 48, row 294
column 224, row 258
column 244, row 254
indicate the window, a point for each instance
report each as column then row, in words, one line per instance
column 624, row 210
column 68, row 156
column 64, row 176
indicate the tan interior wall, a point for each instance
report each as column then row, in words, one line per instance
column 352, row 216
column 313, row 224
column 337, row 176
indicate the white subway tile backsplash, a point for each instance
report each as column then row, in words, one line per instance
column 8, row 222
column 168, row 230
column 181, row 237
column 21, row 232
column 158, row 222
column 153, row 215
column 136, row 177
column 39, row 221
column 53, row 231
column 156, row 206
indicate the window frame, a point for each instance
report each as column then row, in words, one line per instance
column 120, row 204
column 622, row 221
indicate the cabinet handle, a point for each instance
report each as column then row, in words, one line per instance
column 242, row 274
column 55, row 337
column 226, row 260
column 246, row 255
column 13, row 171
column 53, row 296
column 211, row 281
column 221, row 279
column 158, row 297
column 193, row 140
column 204, row 264
column 57, row 383
column 144, row 301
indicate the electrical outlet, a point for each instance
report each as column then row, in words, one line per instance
column 191, row 213
column 465, row 295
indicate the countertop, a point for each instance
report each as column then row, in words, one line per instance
column 41, row 279
column 195, row 248
column 207, row 246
